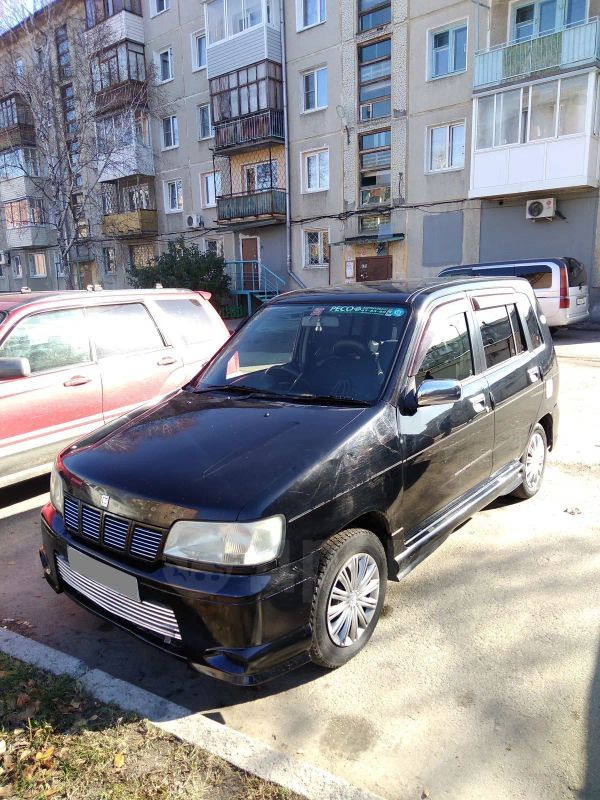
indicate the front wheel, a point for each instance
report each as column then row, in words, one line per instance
column 534, row 464
column 349, row 596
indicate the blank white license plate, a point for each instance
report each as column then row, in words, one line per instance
column 581, row 301
column 102, row 573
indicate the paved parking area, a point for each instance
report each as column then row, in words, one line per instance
column 483, row 677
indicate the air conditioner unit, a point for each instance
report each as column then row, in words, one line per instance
column 541, row 209
column 195, row 221
column 4, row 258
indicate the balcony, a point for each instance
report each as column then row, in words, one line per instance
column 15, row 188
column 82, row 253
column 108, row 24
column 132, row 159
column 262, row 207
column 568, row 48
column 245, row 132
column 30, row 236
column 143, row 222
column 130, row 94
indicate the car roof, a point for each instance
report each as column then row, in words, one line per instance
column 511, row 262
column 12, row 300
column 390, row 292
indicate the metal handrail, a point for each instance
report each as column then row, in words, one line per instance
column 253, row 277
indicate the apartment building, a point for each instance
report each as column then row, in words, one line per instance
column 313, row 142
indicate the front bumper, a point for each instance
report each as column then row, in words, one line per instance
column 244, row 629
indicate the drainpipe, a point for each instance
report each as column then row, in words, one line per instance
column 286, row 134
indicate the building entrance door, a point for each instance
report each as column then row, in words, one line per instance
column 250, row 259
column 373, row 268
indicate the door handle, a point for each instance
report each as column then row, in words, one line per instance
column 166, row 361
column 77, row 380
column 479, row 403
column 534, row 374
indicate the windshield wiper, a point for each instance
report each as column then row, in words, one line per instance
column 330, row 400
column 240, row 389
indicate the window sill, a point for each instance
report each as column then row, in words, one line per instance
column 173, row 211
column 33, row 277
column 162, row 83
column 315, row 266
column 315, row 191
column 199, row 69
column 206, row 138
column 303, row 28
column 166, row 149
column 442, row 171
column 307, row 111
column 447, row 75
column 159, row 13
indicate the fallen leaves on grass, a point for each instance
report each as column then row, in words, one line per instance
column 119, row 761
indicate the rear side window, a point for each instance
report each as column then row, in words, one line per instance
column 497, row 335
column 577, row 273
column 192, row 321
column 123, row 330
column 515, row 322
column 449, row 355
column 53, row 340
column 532, row 323
column 538, row 275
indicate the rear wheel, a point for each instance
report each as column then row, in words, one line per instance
column 349, row 596
column 534, row 464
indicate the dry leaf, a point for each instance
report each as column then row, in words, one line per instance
column 45, row 755
column 119, row 761
column 6, row 791
column 22, row 700
column 2, row 747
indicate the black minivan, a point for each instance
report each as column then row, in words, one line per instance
column 249, row 522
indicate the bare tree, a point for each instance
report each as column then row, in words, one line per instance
column 86, row 102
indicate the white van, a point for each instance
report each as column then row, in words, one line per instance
column 560, row 285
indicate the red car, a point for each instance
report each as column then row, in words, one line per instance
column 73, row 361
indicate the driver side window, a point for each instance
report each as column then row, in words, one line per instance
column 449, row 354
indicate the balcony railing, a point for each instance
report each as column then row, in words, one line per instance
column 266, row 205
column 129, row 94
column 266, row 126
column 569, row 47
column 143, row 222
column 253, row 277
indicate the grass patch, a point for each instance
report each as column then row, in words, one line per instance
column 58, row 742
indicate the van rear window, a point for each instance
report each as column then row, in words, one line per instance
column 577, row 273
column 194, row 325
column 538, row 275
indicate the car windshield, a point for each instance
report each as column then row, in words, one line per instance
column 336, row 352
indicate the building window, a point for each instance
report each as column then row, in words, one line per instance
column 174, row 196
column 19, row 67
column 98, row 10
column 311, row 12
column 69, row 116
column 37, row 265
column 374, row 224
column 375, row 159
column 545, row 16
column 316, row 248
column 160, row 6
column 448, row 51
column 115, row 65
column 316, row 170
column 214, row 247
column 257, row 87
column 541, row 111
column 59, row 270
column 63, row 54
column 314, row 89
column 375, row 80
column 227, row 18
column 109, row 261
column 141, row 256
column 25, row 212
column 165, row 65
column 19, row 163
column 17, row 267
column 446, row 147
column 260, row 177
column 9, row 115
column 211, row 188
column 373, row 13
column 205, row 129
column 199, row 50
column 170, row 133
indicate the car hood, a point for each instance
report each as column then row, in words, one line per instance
column 218, row 457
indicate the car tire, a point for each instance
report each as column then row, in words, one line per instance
column 348, row 598
column 534, row 464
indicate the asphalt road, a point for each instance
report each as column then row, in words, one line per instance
column 483, row 677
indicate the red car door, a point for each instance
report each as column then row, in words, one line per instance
column 136, row 363
column 60, row 401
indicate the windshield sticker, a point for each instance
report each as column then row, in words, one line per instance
column 380, row 311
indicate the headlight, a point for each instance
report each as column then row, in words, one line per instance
column 57, row 496
column 240, row 544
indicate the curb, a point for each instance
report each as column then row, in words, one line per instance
column 237, row 748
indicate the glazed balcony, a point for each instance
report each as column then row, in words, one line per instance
column 254, row 130
column 16, row 124
column 110, row 22
column 563, row 49
column 143, row 222
column 261, row 207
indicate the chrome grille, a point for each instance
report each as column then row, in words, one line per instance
column 112, row 532
column 148, row 616
column 90, row 522
column 145, row 543
column 115, row 532
column 71, row 508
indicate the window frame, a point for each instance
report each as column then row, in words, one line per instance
column 155, row 12
column 451, row 28
column 195, row 36
column 305, row 155
column 17, row 259
column 174, row 130
column 375, row 169
column 159, row 55
column 203, row 188
column 178, row 184
column 323, row 264
column 322, row 9
column 31, row 257
column 106, row 261
column 449, row 126
column 303, row 75
column 211, row 129
column 373, row 81
column 92, row 328
column 378, row 7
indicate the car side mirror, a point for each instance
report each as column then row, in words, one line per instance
column 14, row 368
column 438, row 393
